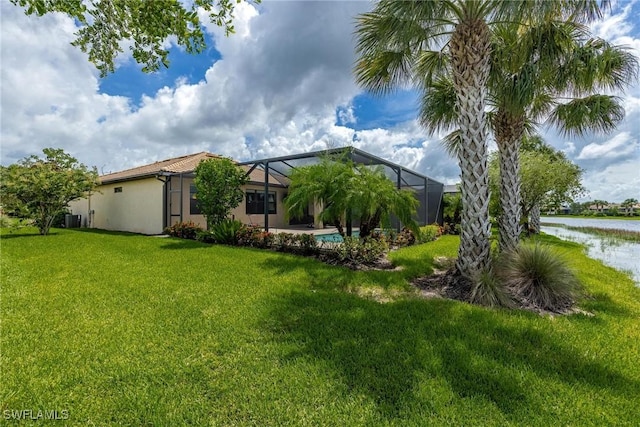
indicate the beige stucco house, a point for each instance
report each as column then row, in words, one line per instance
column 149, row 198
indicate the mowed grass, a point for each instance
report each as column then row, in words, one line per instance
column 124, row 329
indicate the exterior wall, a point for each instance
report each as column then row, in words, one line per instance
column 276, row 220
column 174, row 214
column 137, row 208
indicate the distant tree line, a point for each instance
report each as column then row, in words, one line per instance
column 628, row 207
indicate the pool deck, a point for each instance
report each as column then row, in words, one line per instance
column 306, row 230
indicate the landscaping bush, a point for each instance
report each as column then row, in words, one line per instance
column 205, row 236
column 226, row 231
column 538, row 278
column 490, row 291
column 248, row 235
column 253, row 236
column 305, row 244
column 184, row 230
column 359, row 251
column 404, row 238
column 284, row 242
column 429, row 233
column 308, row 243
column 265, row 240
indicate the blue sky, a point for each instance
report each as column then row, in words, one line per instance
column 282, row 84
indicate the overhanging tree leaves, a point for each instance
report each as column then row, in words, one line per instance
column 218, row 184
column 146, row 24
column 40, row 188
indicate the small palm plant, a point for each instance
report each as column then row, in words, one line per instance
column 538, row 278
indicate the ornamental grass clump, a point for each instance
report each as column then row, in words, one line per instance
column 538, row 278
column 490, row 291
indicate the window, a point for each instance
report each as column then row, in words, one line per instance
column 255, row 202
column 117, row 190
column 194, row 209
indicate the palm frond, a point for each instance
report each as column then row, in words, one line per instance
column 596, row 65
column 437, row 109
column 431, row 65
column 452, row 143
column 599, row 113
column 391, row 38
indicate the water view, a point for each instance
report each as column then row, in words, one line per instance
column 620, row 254
column 618, row 224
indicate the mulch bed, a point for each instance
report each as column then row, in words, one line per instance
column 445, row 284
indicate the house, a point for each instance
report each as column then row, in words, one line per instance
column 149, row 198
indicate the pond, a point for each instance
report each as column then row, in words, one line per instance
column 619, row 224
column 616, row 253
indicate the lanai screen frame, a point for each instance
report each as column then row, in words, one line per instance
column 278, row 167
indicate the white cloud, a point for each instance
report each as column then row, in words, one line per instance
column 621, row 145
column 614, row 183
column 274, row 92
column 614, row 25
column 569, row 148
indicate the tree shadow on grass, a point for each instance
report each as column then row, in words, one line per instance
column 104, row 232
column 10, row 235
column 179, row 244
column 322, row 276
column 386, row 350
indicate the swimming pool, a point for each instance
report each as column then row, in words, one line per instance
column 333, row 237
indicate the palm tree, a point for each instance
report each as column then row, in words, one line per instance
column 555, row 79
column 540, row 72
column 326, row 184
column 628, row 206
column 346, row 191
column 395, row 46
column 600, row 205
column 374, row 198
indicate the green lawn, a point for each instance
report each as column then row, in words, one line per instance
column 123, row 329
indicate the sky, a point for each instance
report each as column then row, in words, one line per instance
column 283, row 84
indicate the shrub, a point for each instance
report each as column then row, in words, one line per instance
column 490, row 291
column 366, row 251
column 448, row 228
column 404, row 238
column 184, row 230
column 248, row 235
column 308, row 243
column 381, row 236
column 264, row 240
column 205, row 236
column 226, row 231
column 429, row 233
column 284, row 242
column 538, row 278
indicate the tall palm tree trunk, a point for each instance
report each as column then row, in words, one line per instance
column 508, row 132
column 534, row 224
column 469, row 49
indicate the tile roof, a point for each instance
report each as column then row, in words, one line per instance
column 180, row 164
column 175, row 165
